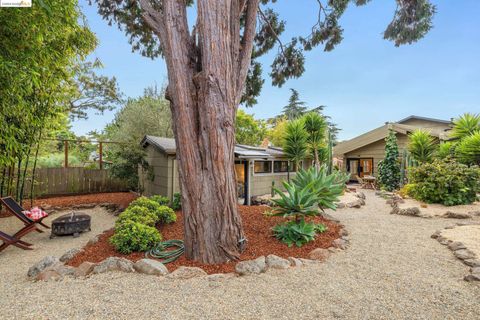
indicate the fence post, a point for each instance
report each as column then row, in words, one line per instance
column 66, row 153
column 100, row 146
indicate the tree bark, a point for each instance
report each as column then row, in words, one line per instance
column 206, row 73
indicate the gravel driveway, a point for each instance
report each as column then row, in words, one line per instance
column 392, row 270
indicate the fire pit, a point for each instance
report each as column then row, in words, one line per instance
column 72, row 223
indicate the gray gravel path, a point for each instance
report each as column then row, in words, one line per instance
column 392, row 270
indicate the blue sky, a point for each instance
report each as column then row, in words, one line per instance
column 364, row 82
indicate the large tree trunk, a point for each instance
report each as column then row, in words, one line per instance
column 206, row 73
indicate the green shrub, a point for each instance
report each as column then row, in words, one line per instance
column 138, row 214
column 389, row 168
column 320, row 228
column 134, row 236
column 177, row 201
column 151, row 205
column 468, row 149
column 161, row 200
column 445, row 181
column 166, row 215
column 293, row 232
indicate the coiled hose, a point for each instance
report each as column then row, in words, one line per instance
column 166, row 256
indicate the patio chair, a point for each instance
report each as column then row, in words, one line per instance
column 17, row 211
column 9, row 240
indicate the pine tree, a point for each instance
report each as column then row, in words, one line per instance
column 295, row 107
column 389, row 168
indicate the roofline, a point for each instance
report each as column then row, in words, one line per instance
column 146, row 140
column 424, row 118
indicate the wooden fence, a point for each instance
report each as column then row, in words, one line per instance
column 65, row 181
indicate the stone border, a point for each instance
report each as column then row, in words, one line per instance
column 112, row 208
column 53, row 268
column 461, row 252
column 356, row 203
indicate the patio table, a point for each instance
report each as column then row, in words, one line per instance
column 369, row 182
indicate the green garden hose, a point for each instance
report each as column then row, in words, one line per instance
column 166, row 256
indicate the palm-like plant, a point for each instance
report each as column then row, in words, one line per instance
column 295, row 141
column 422, row 146
column 468, row 149
column 445, row 150
column 316, row 127
column 465, row 125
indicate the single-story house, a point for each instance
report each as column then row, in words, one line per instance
column 360, row 156
column 256, row 168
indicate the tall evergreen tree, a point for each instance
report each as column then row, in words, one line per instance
column 389, row 168
column 295, row 107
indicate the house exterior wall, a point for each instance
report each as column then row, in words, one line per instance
column 426, row 124
column 376, row 151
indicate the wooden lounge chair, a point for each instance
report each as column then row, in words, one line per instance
column 9, row 240
column 17, row 211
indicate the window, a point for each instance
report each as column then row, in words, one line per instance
column 263, row 167
column 280, row 166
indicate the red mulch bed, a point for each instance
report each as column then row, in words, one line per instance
column 121, row 198
column 257, row 229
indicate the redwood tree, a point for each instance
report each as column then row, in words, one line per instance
column 212, row 67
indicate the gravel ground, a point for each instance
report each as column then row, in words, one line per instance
column 468, row 235
column 435, row 209
column 392, row 270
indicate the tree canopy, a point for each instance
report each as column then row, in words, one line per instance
column 248, row 130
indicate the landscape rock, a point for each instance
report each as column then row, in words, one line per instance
column 276, row 262
column 341, row 205
column 42, row 265
column 436, row 234
column 340, row 243
column 355, row 204
column 475, row 213
column 472, row 277
column 295, row 262
column 412, row 211
column 474, row 263
column 220, row 276
column 69, row 254
column 48, row 275
column 456, row 245
column 251, row 266
column 464, row 254
column 456, row 215
column 84, row 269
column 187, row 273
column 344, row 232
column 319, row 254
column 93, row 240
column 360, row 195
column 151, row 267
column 114, row 264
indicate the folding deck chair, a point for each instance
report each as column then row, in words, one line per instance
column 9, row 240
column 17, row 210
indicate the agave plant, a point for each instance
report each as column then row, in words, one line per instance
column 422, row 146
column 297, row 203
column 465, row 125
column 326, row 187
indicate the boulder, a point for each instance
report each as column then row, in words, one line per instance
column 340, row 244
column 294, row 262
column 355, row 204
column 220, row 276
column 456, row 215
column 113, row 264
column 464, row 254
column 474, row 276
column 474, row 263
column 319, row 254
column 436, row 234
column 456, row 245
column 275, row 262
column 412, row 211
column 251, row 266
column 84, row 269
column 56, row 271
column 151, row 267
column 69, row 254
column 187, row 273
column 48, row 275
column 360, row 195
column 42, row 265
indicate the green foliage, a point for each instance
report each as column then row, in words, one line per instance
column 177, row 201
column 276, row 134
column 325, row 187
column 320, row 228
column 468, row 149
column 150, row 204
column 298, row 233
column 133, row 236
column 295, row 145
column 295, row 108
column 465, row 125
column 146, row 115
column 445, row 150
column 316, row 127
column 298, row 202
column 161, row 200
column 389, row 168
column 422, row 146
column 166, row 215
column 137, row 214
column 57, row 160
column 248, row 130
column 444, row 181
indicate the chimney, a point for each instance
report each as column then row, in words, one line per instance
column 265, row 143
